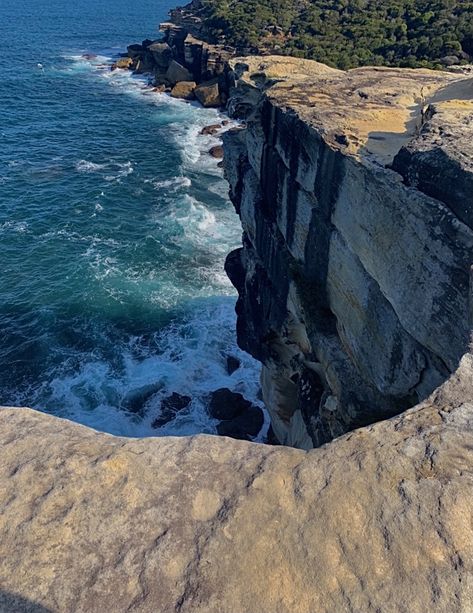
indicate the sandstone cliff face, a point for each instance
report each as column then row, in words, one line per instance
column 355, row 191
column 380, row 520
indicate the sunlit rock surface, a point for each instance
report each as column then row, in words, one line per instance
column 355, row 194
column 378, row 520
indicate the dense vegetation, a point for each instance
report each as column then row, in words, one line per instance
column 348, row 33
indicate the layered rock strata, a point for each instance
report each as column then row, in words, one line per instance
column 378, row 520
column 355, row 195
column 182, row 63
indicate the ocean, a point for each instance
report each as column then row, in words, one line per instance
column 114, row 227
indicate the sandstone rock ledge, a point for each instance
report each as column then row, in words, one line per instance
column 380, row 520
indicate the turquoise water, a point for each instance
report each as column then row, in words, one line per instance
column 114, row 226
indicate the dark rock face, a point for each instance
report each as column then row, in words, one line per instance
column 162, row 54
column 176, row 73
column 238, row 417
column 233, row 364
column 245, row 426
column 225, row 404
column 170, row 406
column 353, row 287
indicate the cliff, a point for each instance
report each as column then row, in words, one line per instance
column 355, row 195
column 378, row 520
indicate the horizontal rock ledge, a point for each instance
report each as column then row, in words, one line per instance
column 378, row 520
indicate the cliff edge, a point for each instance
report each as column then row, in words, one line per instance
column 355, row 194
column 378, row 520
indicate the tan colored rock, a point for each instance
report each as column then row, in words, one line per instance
column 208, row 94
column 375, row 110
column 216, row 152
column 355, row 192
column 211, row 129
column 124, row 62
column 379, row 520
column 184, row 90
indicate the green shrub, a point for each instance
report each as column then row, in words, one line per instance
column 348, row 33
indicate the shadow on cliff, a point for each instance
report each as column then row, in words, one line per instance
column 13, row 603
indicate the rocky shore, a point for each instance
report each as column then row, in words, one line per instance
column 182, row 65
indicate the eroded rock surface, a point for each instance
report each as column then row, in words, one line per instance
column 378, row 520
column 355, row 194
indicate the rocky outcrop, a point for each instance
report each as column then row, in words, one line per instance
column 378, row 520
column 355, row 195
column 179, row 58
column 184, row 90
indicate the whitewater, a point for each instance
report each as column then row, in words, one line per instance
column 115, row 224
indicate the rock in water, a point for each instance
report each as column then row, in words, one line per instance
column 184, row 90
column 210, row 130
column 216, row 152
column 170, row 406
column 380, row 519
column 225, row 404
column 124, row 62
column 233, row 364
column 244, row 426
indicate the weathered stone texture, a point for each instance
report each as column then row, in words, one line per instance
column 378, row 520
column 354, row 278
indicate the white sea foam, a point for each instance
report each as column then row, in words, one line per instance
column 187, row 357
column 20, row 227
column 172, row 184
column 122, row 170
column 88, row 166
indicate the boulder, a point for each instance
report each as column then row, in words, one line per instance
column 170, row 406
column 216, row 152
column 177, row 73
column 124, row 63
column 246, row 425
column 208, row 94
column 232, row 430
column 184, row 90
column 233, row 364
column 210, row 130
column 162, row 54
column 225, row 404
column 135, row 400
column 135, row 51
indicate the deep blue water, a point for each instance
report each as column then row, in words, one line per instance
column 114, row 225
